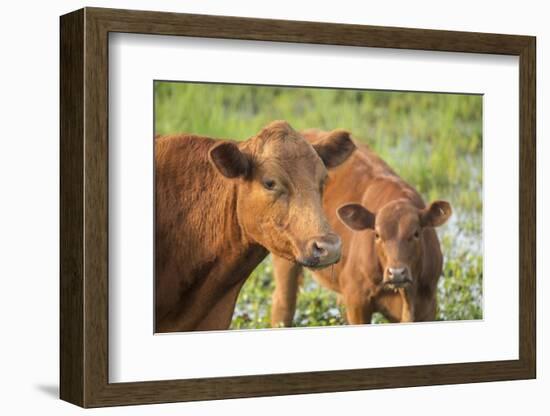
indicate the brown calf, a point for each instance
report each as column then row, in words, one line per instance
column 391, row 257
column 221, row 205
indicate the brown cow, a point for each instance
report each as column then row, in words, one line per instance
column 221, row 205
column 391, row 257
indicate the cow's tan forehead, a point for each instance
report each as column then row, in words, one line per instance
column 290, row 147
column 283, row 153
column 300, row 171
column 291, row 152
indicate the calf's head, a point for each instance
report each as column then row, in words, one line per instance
column 397, row 231
column 279, row 178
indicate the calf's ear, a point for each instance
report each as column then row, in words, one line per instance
column 436, row 214
column 229, row 160
column 356, row 217
column 335, row 148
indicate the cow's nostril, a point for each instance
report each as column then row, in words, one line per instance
column 324, row 250
column 320, row 249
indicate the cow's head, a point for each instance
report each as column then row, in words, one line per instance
column 397, row 231
column 280, row 179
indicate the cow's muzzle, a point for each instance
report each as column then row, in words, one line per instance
column 322, row 251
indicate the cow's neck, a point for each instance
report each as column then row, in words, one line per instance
column 239, row 256
column 227, row 260
column 222, row 219
column 239, row 251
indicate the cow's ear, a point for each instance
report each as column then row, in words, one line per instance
column 436, row 214
column 229, row 160
column 356, row 217
column 335, row 148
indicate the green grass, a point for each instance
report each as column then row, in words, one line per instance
column 432, row 140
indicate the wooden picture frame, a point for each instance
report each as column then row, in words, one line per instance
column 84, row 207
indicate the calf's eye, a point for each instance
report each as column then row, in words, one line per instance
column 416, row 234
column 377, row 236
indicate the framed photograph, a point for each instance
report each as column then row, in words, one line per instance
column 255, row 207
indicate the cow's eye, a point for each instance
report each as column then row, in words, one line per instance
column 416, row 234
column 377, row 236
column 269, row 184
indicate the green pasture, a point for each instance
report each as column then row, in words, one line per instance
column 434, row 141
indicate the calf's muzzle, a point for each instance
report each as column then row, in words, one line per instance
column 397, row 276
